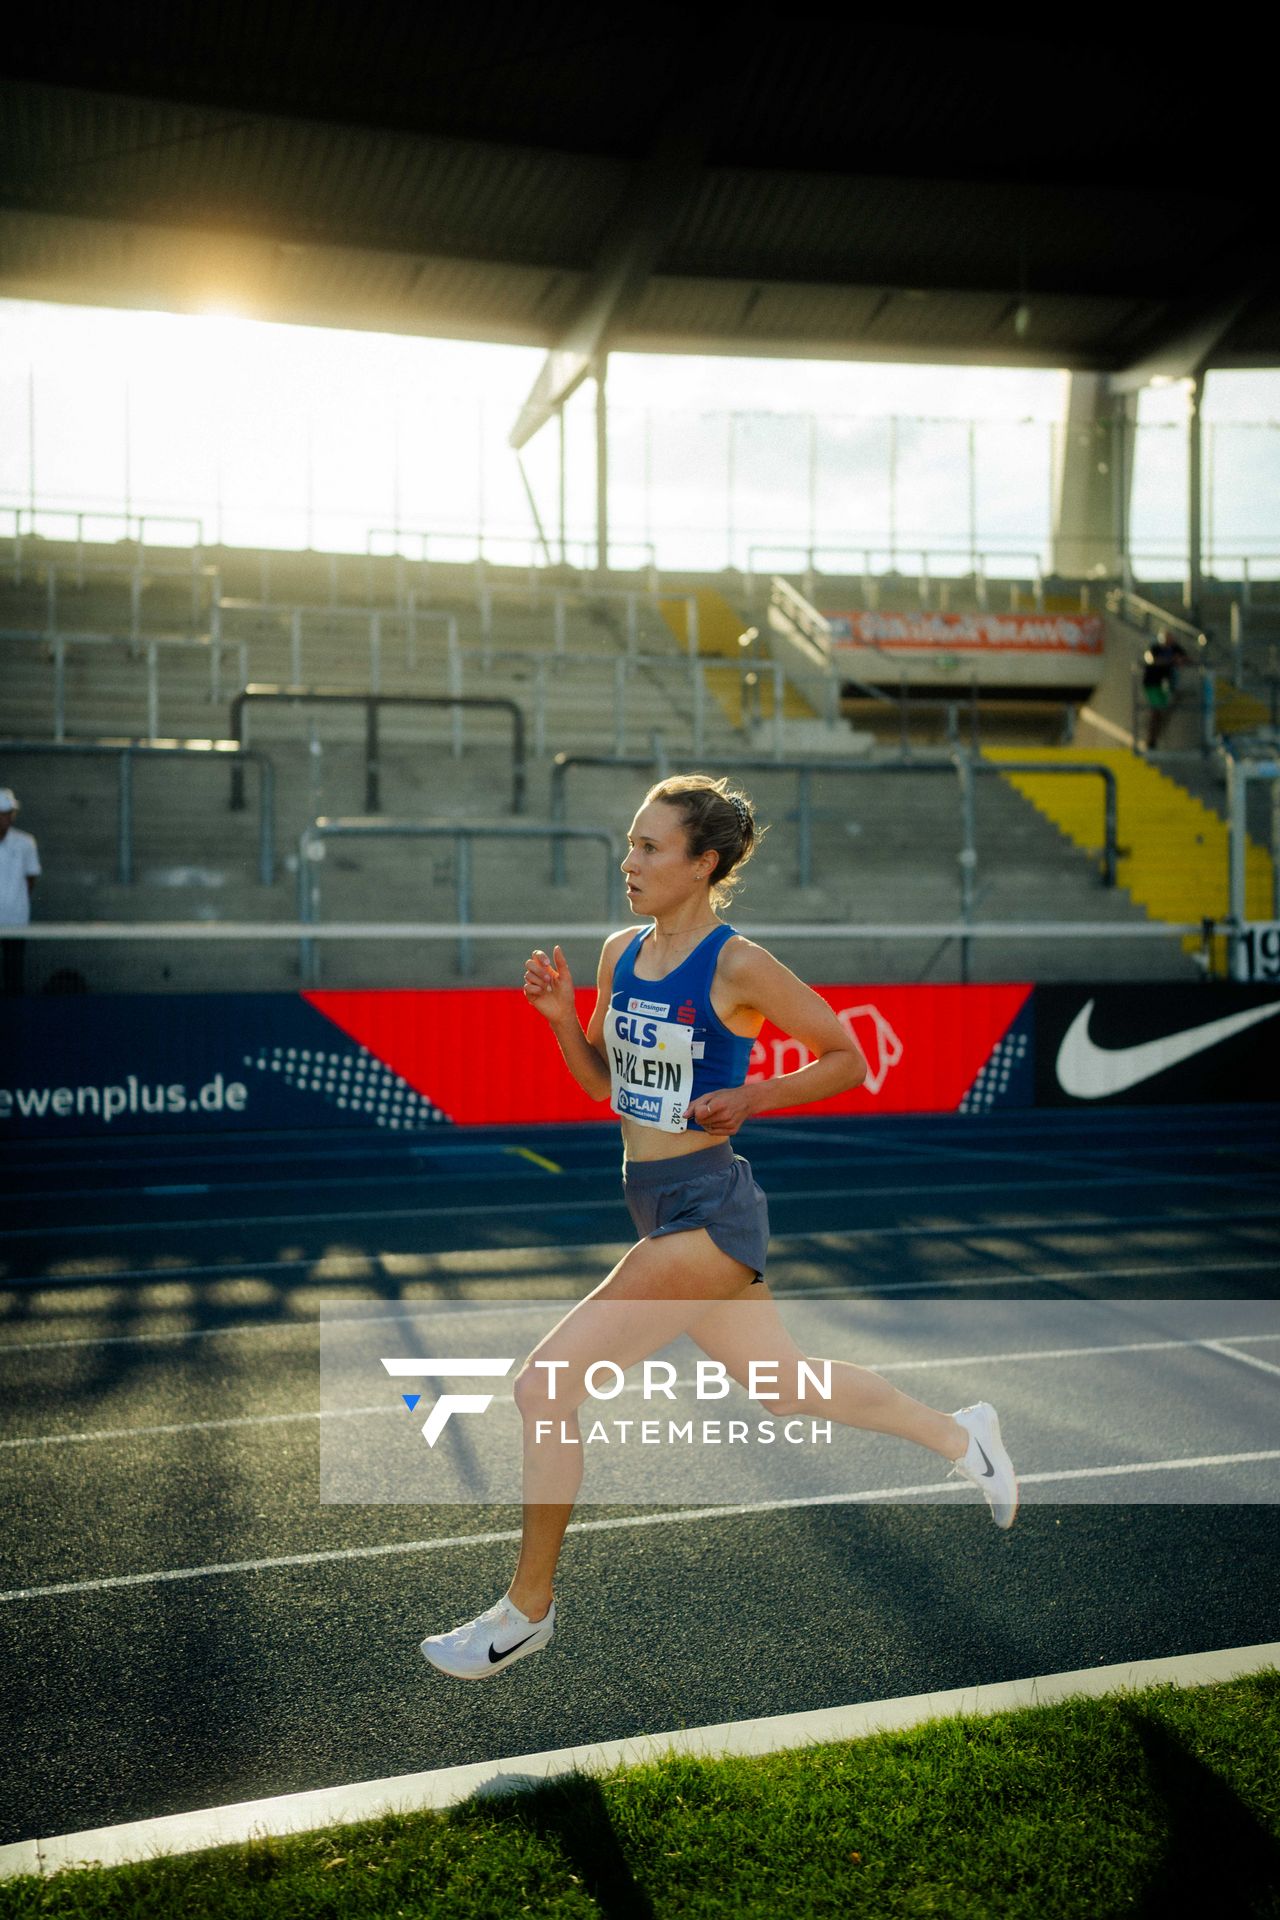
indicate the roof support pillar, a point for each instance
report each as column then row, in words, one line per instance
column 1094, row 481
column 601, row 369
column 564, row 545
column 1193, row 586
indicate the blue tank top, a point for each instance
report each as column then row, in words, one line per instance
column 665, row 1042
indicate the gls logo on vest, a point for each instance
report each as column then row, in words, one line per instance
column 448, row 1403
column 641, row 1033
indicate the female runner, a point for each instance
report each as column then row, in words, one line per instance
column 685, row 998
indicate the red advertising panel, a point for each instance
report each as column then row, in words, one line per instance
column 483, row 1056
column 968, row 632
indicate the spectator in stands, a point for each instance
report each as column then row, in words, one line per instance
column 19, row 870
column 1160, row 665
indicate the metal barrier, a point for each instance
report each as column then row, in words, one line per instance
column 1150, row 617
column 127, row 751
column 24, row 528
column 148, row 647
column 138, row 576
column 623, row 665
column 820, row 559
column 527, row 545
column 370, row 617
column 372, row 704
column 1240, row 772
column 311, row 852
column 938, row 933
column 964, row 766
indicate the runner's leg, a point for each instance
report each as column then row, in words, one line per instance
column 739, row 1332
column 670, row 1281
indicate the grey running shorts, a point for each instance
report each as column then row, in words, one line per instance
column 714, row 1188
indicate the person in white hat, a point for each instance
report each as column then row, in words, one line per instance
column 19, row 871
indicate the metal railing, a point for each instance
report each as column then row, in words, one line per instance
column 1241, row 771
column 373, row 703
column 859, row 561
column 528, row 549
column 410, row 611
column 559, row 600
column 125, row 752
column 148, row 648
column 802, row 637
column 371, row 618
column 24, row 519
column 966, row 767
column 1150, row 617
column 138, row 576
column 939, row 934
column 1209, row 660
column 463, row 832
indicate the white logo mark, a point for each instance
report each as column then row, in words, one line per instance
column 448, row 1403
column 882, row 1050
column 1089, row 1072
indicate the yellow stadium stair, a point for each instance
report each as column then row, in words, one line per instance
column 1237, row 711
column 1172, row 853
column 719, row 628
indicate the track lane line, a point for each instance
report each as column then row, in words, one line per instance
column 1030, row 1354
column 872, row 1291
column 688, row 1516
column 933, row 1190
column 231, row 1270
column 1245, row 1359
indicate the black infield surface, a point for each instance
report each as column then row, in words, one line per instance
column 184, row 1624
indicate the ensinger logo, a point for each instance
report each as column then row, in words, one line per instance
column 605, row 1380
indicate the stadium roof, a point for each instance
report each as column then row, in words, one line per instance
column 570, row 176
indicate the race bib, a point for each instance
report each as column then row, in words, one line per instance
column 650, row 1069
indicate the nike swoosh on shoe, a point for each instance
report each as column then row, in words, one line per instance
column 495, row 1656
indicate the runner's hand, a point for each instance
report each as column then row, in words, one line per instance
column 548, row 984
column 722, row 1111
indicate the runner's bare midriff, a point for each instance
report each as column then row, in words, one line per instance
column 647, row 1143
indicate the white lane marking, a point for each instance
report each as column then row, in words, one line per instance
column 874, row 1290
column 1245, row 1359
column 930, row 1488
column 192, row 1426
column 414, row 1368
column 442, row 1787
column 488, row 1210
column 1065, row 1353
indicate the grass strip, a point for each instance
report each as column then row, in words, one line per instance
column 1147, row 1803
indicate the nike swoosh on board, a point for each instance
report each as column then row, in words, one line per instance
column 1090, row 1072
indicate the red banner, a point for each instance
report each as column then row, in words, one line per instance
column 968, row 632
column 485, row 1057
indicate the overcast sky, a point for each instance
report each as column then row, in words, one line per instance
column 294, row 435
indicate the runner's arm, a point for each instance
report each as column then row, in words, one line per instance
column 584, row 1052
column 760, row 981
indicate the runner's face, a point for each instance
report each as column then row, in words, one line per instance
column 660, row 874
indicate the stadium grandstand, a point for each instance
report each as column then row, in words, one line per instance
column 838, row 639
